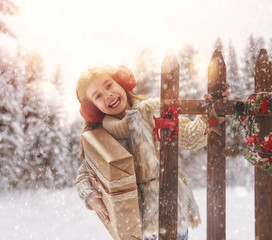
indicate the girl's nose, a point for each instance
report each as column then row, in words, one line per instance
column 109, row 95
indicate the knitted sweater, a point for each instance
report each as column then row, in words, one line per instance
column 136, row 127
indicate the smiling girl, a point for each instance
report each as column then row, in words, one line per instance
column 108, row 96
column 107, row 100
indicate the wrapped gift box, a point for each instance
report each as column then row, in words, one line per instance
column 111, row 170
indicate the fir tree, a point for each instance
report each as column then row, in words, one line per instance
column 190, row 86
column 147, row 74
column 11, row 95
column 249, row 61
column 233, row 77
column 11, row 120
column 38, row 137
column 47, row 145
column 60, row 88
column 74, row 148
column 34, row 142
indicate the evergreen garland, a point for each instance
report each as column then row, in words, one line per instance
column 257, row 151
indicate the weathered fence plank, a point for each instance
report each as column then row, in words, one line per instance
column 216, row 174
column 168, row 197
column 194, row 107
column 263, row 182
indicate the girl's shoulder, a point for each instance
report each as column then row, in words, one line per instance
column 150, row 104
column 148, row 108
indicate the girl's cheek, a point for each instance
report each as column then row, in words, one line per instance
column 98, row 105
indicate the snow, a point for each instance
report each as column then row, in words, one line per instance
column 239, row 218
column 48, row 215
column 61, row 215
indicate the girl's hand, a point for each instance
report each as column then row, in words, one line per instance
column 95, row 201
column 224, row 94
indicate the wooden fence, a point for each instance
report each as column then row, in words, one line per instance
column 216, row 172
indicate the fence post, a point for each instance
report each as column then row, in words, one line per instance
column 216, row 174
column 263, row 182
column 168, row 196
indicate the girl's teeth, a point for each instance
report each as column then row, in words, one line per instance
column 114, row 103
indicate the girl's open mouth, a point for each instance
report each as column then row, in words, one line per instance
column 115, row 103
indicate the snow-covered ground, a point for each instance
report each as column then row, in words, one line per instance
column 60, row 215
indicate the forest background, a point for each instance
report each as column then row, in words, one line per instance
column 39, row 140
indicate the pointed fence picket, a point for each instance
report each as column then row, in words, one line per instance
column 216, row 172
column 263, row 182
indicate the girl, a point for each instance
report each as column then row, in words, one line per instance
column 107, row 100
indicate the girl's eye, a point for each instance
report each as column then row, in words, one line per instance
column 97, row 96
column 109, row 86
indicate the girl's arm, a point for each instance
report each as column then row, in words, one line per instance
column 84, row 186
column 92, row 198
column 192, row 134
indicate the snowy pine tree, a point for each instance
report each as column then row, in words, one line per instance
column 74, row 138
column 11, row 94
column 233, row 77
column 11, row 119
column 34, row 142
column 59, row 84
column 147, row 74
column 47, row 143
column 190, row 85
column 66, row 159
column 38, row 139
column 251, row 54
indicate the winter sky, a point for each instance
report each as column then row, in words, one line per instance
column 78, row 33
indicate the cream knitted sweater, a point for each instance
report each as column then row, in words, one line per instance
column 191, row 136
column 191, row 133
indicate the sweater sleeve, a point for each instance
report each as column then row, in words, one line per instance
column 192, row 133
column 84, row 186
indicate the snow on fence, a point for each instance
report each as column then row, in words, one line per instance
column 216, row 172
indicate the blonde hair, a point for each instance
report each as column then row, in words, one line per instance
column 88, row 75
column 95, row 72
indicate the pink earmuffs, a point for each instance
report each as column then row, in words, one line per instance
column 124, row 77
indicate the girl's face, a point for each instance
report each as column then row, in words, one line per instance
column 108, row 96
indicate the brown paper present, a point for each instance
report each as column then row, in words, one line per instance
column 111, row 169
